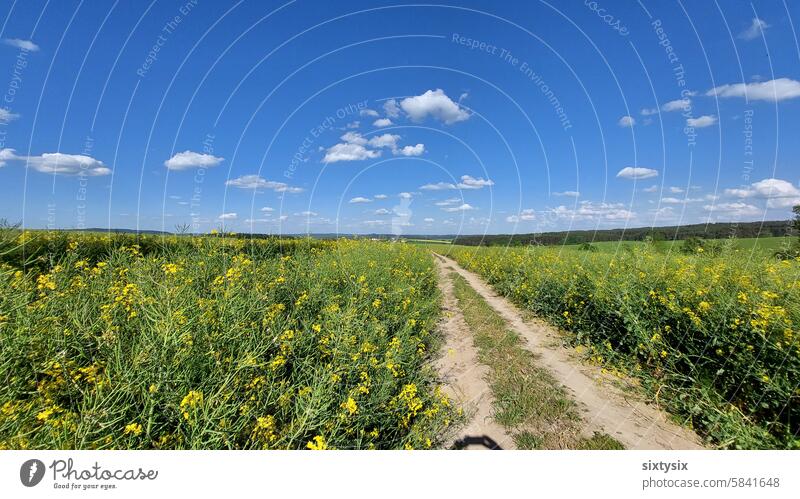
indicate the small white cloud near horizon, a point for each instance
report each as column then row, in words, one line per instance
column 57, row 163
column 382, row 211
column 257, row 182
column 416, row 150
column 359, row 199
column 228, row 216
column 773, row 90
column 626, row 121
column 756, row 29
column 429, row 220
column 702, row 121
column 433, row 103
column 380, row 196
column 405, row 195
column 637, row 173
column 652, row 188
column 569, row 194
column 463, row 207
column 190, row 159
column 778, row 193
column 22, row 44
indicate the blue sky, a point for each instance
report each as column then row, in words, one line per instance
column 361, row 117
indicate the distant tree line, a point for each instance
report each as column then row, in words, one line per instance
column 778, row 228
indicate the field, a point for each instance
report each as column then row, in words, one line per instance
column 112, row 341
column 710, row 337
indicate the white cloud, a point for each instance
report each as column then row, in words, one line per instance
column 626, row 121
column 468, row 182
column 652, row 188
column 380, row 196
column 353, row 124
column 382, row 122
column 463, row 207
column 404, row 195
column 256, row 182
column 307, row 214
column 416, row 150
column 370, row 113
column 348, row 152
column 737, row 209
column 386, row 140
column 778, row 193
column 22, row 44
column 670, row 200
column 228, row 216
column 676, row 190
column 429, row 220
column 382, row 211
column 190, row 159
column 702, row 121
column 360, row 199
column 448, row 202
column 267, row 209
column 434, row 103
column 58, row 163
column 391, row 109
column 439, row 186
column 590, row 211
column 755, row 30
column 524, row 215
column 569, row 194
column 676, row 105
column 637, row 173
column 773, row 90
column 7, row 116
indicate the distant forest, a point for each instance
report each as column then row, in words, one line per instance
column 679, row 232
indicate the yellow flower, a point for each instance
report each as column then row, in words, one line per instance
column 133, row 429
column 191, row 400
column 350, row 406
column 170, row 268
column 318, row 443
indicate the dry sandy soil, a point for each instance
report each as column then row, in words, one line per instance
column 605, row 407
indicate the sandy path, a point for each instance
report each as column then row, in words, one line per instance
column 465, row 378
column 606, row 408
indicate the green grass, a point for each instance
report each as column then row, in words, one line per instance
column 528, row 400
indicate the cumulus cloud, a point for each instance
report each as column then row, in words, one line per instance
column 382, row 122
column 448, row 202
column 626, row 121
column 569, row 194
column 386, row 140
column 57, row 163
column 228, row 216
column 755, row 30
column 590, row 211
column 702, row 121
column 637, row 173
column 405, row 195
column 438, row 186
column 382, row 211
column 467, row 182
column 524, row 215
column 676, row 105
column 778, row 193
column 380, row 196
column 416, row 150
column 462, row 207
column 734, row 210
column 434, row 103
column 359, row 199
column 348, row 152
column 190, row 159
column 676, row 190
column 391, row 109
column 773, row 90
column 672, row 200
column 652, row 188
column 256, row 182
column 369, row 113
column 7, row 116
column 21, row 44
